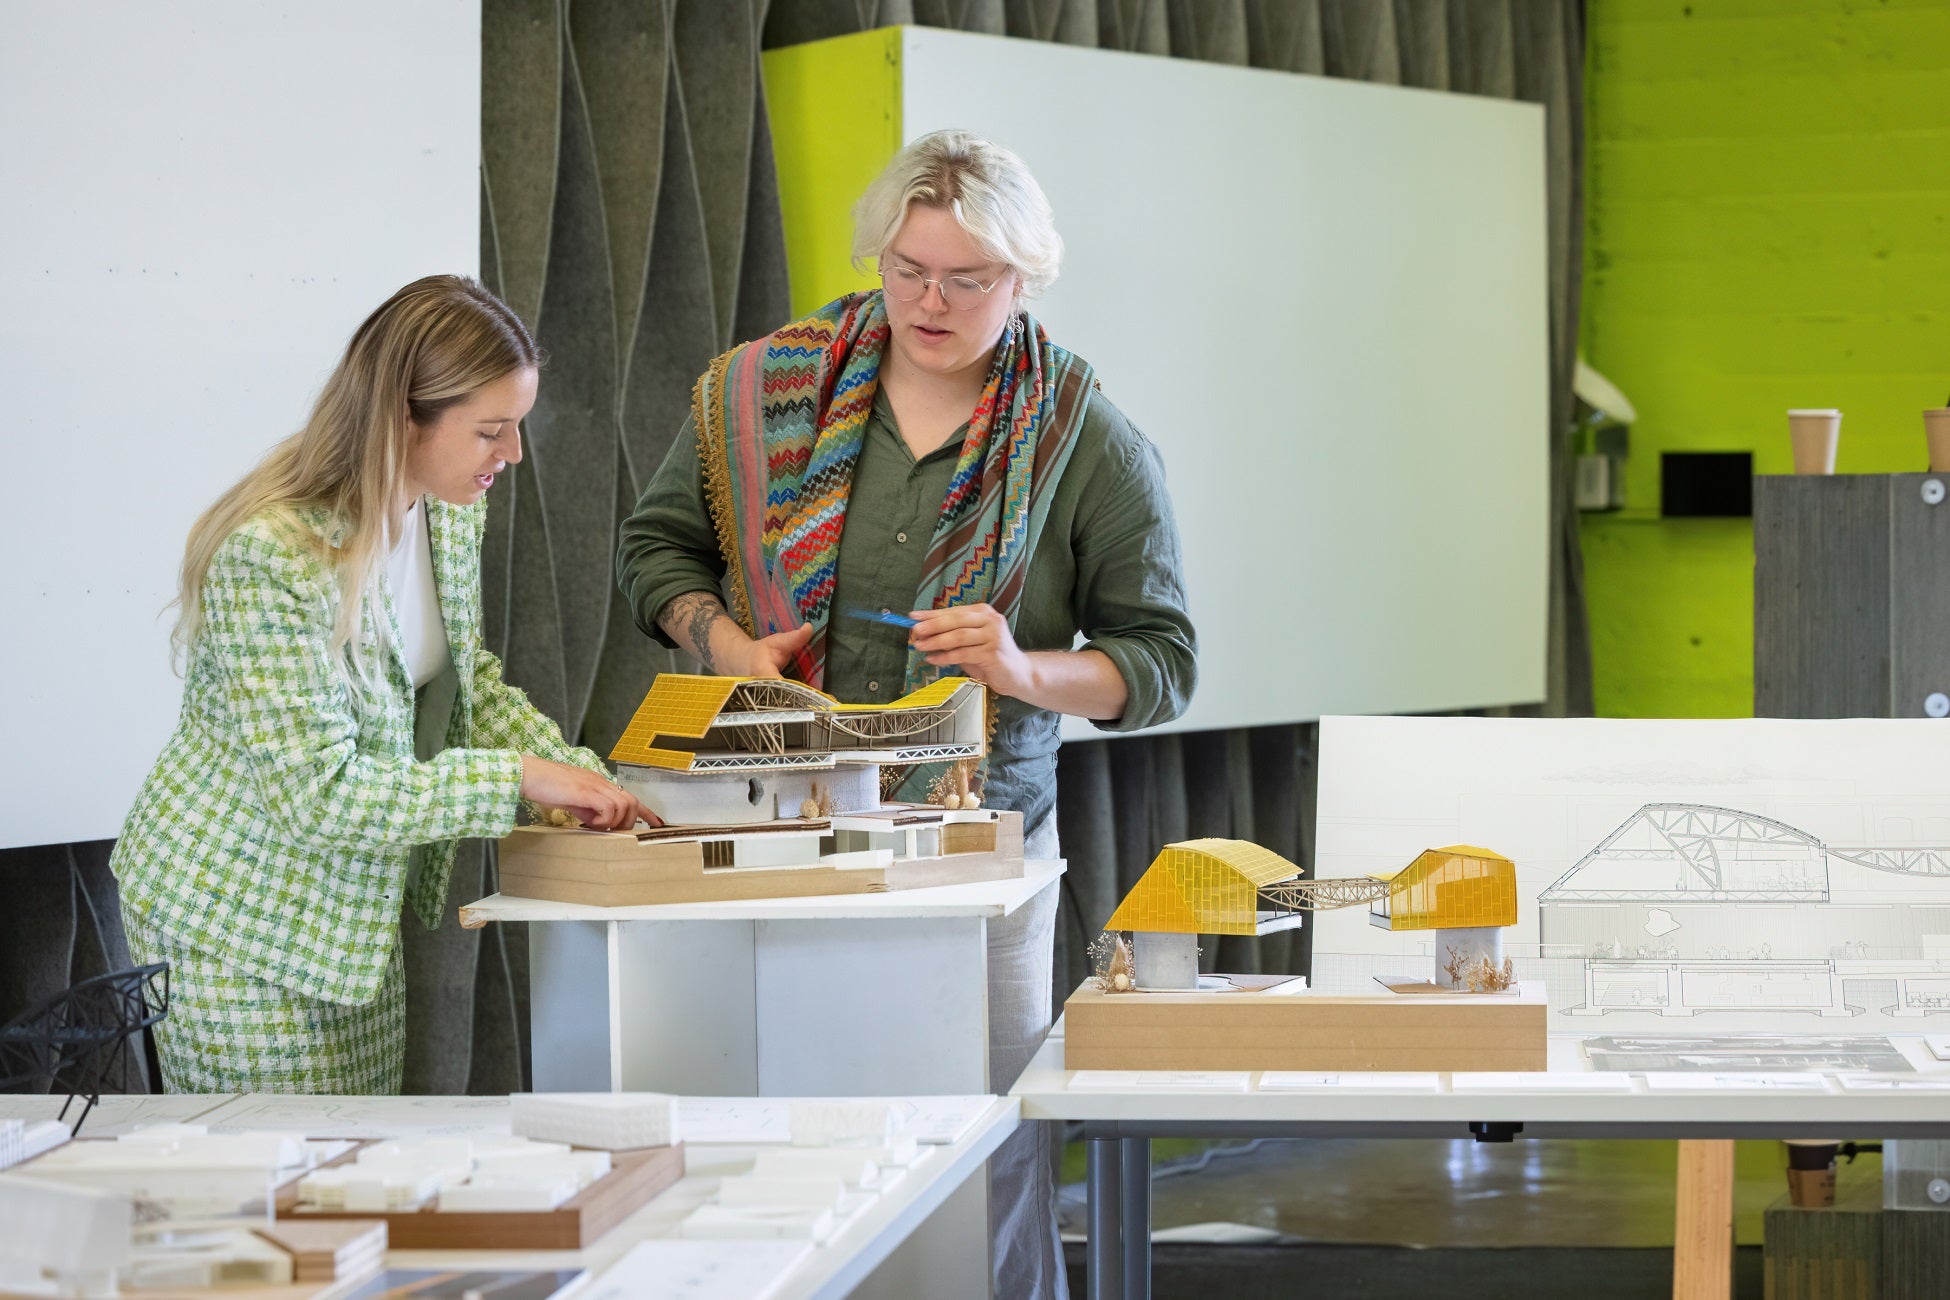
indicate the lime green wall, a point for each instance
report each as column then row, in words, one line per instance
column 1768, row 200
column 835, row 109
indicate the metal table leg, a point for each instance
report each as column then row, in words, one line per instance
column 1105, row 1219
column 1136, row 1160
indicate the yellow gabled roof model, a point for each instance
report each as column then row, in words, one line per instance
column 1456, row 887
column 1202, row 887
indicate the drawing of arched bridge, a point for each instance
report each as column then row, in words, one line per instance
column 1686, row 908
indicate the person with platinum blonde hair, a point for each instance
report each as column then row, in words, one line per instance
column 342, row 724
column 987, row 190
column 923, row 446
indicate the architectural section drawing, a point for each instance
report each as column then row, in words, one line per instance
column 1688, row 908
column 768, row 788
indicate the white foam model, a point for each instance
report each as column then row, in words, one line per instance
column 379, row 1187
column 76, row 1235
column 612, row 1121
column 24, row 1139
column 862, row 1167
column 199, row 1258
column 827, row 1122
column 719, row 1221
column 478, row 1173
column 512, row 1180
column 752, row 1190
column 184, row 1167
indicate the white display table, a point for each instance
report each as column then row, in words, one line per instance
column 1120, row 1117
column 846, row 995
column 830, row 1271
column 840, row 995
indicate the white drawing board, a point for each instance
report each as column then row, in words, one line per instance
column 1325, row 303
column 1675, row 877
column 207, row 198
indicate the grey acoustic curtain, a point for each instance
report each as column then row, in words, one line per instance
column 629, row 212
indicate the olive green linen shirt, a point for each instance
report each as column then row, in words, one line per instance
column 1107, row 566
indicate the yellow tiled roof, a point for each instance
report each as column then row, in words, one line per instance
column 678, row 704
column 1202, row 887
column 685, row 704
column 933, row 695
column 1458, row 886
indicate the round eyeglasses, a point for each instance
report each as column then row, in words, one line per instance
column 959, row 291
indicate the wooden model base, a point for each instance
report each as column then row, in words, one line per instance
column 634, row 1178
column 618, row 869
column 330, row 1250
column 1257, row 1028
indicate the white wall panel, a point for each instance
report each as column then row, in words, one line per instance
column 1325, row 302
column 198, row 202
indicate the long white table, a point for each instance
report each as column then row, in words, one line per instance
column 831, row 1271
column 1567, row 1100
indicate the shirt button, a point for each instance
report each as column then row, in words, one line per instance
column 873, row 686
column 900, row 537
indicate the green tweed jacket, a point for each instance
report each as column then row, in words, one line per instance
column 276, row 828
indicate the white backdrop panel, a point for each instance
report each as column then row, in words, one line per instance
column 1325, row 302
column 198, row 202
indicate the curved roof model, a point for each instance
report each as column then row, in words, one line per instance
column 1202, row 887
column 694, row 723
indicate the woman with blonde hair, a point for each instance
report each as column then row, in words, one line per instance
column 924, row 447
column 342, row 725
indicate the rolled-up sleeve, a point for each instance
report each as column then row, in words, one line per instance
column 1130, row 588
column 668, row 546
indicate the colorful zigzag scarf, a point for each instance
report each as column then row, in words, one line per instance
column 780, row 422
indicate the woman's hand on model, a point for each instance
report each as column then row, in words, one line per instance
column 977, row 640
column 596, row 801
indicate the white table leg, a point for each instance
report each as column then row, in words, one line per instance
column 569, row 1004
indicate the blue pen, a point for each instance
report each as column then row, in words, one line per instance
column 883, row 616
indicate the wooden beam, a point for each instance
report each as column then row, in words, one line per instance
column 1702, row 1239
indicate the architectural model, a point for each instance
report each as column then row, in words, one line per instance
column 769, row 788
column 1466, row 894
column 1171, row 1018
column 71, row 1237
column 608, row 1121
column 453, row 1175
column 183, row 1168
column 483, row 1189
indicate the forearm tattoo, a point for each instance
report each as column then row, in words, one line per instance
column 690, row 618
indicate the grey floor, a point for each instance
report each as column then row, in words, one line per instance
column 1424, row 1218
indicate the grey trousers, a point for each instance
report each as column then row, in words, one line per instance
column 1026, row 1253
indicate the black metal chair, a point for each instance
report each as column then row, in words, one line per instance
column 80, row 1038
